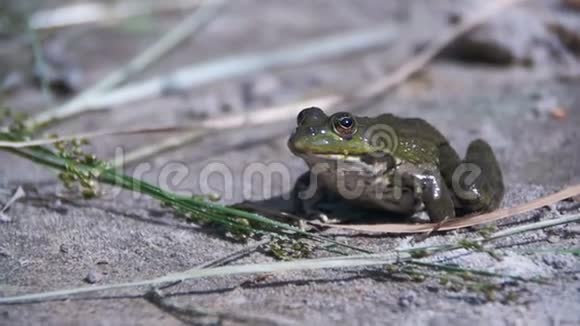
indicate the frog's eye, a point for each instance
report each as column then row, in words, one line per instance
column 309, row 113
column 344, row 124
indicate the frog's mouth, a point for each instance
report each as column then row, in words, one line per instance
column 339, row 157
column 329, row 158
column 366, row 161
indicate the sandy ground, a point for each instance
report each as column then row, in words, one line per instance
column 53, row 243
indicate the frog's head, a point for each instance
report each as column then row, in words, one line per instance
column 340, row 136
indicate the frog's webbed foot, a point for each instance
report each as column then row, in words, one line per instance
column 477, row 182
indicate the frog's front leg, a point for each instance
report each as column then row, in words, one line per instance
column 306, row 196
column 436, row 197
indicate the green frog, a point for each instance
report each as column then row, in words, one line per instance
column 399, row 165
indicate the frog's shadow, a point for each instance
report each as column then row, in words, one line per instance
column 340, row 211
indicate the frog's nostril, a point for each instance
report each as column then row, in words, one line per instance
column 312, row 131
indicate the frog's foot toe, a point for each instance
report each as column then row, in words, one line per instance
column 318, row 216
column 332, row 220
column 419, row 217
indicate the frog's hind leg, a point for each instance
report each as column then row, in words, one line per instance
column 479, row 182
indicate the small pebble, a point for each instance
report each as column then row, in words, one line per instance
column 407, row 299
column 59, row 207
column 4, row 252
column 553, row 239
column 65, row 249
column 454, row 18
column 558, row 113
column 432, row 288
column 545, row 105
column 93, row 277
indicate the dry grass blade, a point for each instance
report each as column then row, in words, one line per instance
column 225, row 121
column 182, row 31
column 98, row 13
column 88, row 135
column 195, row 315
column 19, row 193
column 229, row 121
column 276, row 267
column 468, row 221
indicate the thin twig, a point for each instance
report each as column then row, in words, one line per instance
column 221, row 261
column 184, row 30
column 192, row 314
column 232, row 256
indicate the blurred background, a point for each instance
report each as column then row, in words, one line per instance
column 75, row 66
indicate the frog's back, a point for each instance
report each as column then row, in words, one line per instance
column 415, row 140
